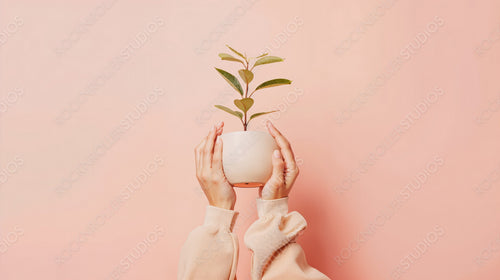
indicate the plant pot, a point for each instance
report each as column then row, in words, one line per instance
column 246, row 157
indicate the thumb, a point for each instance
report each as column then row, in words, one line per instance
column 277, row 178
column 278, row 165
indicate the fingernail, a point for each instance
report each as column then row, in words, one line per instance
column 276, row 153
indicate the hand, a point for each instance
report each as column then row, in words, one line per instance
column 208, row 155
column 285, row 169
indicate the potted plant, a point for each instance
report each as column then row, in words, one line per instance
column 247, row 154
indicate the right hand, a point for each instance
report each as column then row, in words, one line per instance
column 208, row 156
column 285, row 169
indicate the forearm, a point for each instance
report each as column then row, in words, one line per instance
column 211, row 250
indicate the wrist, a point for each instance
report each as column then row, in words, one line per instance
column 271, row 191
column 271, row 196
column 228, row 205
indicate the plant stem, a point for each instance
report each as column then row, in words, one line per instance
column 244, row 125
column 251, row 93
column 246, row 95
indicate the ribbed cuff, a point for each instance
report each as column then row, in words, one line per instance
column 266, row 207
column 220, row 217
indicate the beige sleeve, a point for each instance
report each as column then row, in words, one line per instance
column 271, row 238
column 211, row 250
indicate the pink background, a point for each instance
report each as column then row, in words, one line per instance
column 371, row 110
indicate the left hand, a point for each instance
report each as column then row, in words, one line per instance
column 209, row 171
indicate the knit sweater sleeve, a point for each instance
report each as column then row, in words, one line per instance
column 211, row 250
column 271, row 238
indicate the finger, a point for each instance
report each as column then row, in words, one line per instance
column 286, row 148
column 219, row 131
column 199, row 156
column 278, row 164
column 199, row 150
column 208, row 150
column 277, row 177
column 220, row 128
column 271, row 189
column 217, row 158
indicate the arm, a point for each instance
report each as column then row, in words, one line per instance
column 211, row 250
column 276, row 255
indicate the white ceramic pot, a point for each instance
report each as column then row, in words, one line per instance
column 246, row 157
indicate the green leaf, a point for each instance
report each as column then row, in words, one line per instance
column 262, row 55
column 246, row 75
column 225, row 56
column 267, row 60
column 260, row 114
column 274, row 83
column 231, row 80
column 235, row 113
column 243, row 104
column 236, row 52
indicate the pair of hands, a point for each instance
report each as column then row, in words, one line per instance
column 220, row 192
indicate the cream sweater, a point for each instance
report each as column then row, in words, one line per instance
column 211, row 250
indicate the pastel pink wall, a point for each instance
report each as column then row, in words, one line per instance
column 99, row 96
